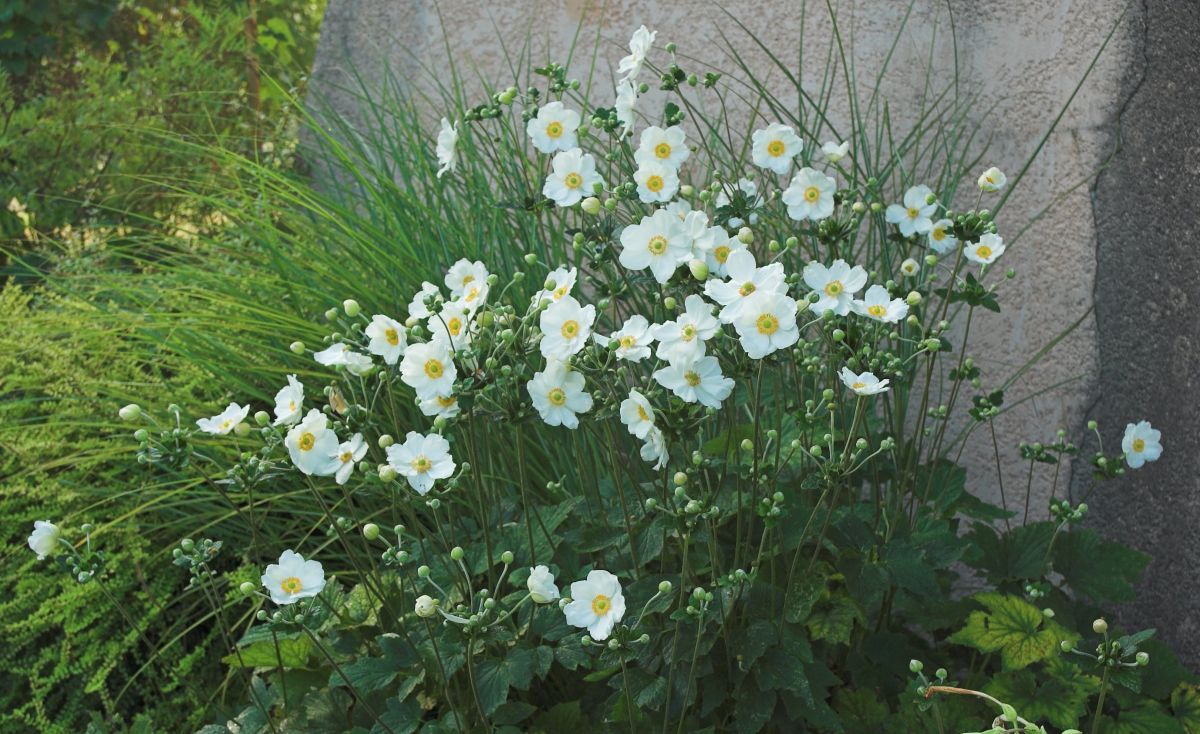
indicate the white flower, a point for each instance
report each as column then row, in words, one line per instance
column 774, row 146
column 704, row 238
column 878, row 304
column 349, row 454
column 749, row 192
column 557, row 393
column 836, row 284
column 658, row 242
column 696, row 380
column 909, row 268
column 429, row 369
column 637, row 414
column 1141, row 444
column 554, row 128
column 665, row 147
column 639, row 45
column 624, row 104
column 633, row 339
column 341, row 355
column 810, row 196
column 440, row 406
column 865, row 383
column 464, row 274
column 654, row 448
column 565, row 326
column 745, row 280
column 717, row 258
column 915, row 217
column 656, row 183
column 426, row 606
column 418, row 309
column 226, row 421
column 387, row 338
column 452, row 325
column 941, row 238
column 44, row 538
column 422, row 459
column 293, row 578
column 564, row 281
column 313, row 446
column 288, row 402
column 447, row 147
column 993, row 179
column 834, row 152
column 989, row 247
column 685, row 336
column 767, row 322
column 596, row 604
column 541, row 585
column 572, row 176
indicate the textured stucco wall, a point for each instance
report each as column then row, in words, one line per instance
column 1022, row 58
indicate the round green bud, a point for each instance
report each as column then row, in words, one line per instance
column 698, row 269
column 247, row 588
column 913, row 298
column 669, row 303
column 838, row 335
column 506, row 557
column 130, row 412
column 370, row 531
column 187, row 544
column 262, row 418
column 1142, row 659
column 858, row 207
column 686, row 191
column 141, row 434
column 456, row 553
column 385, row 440
column 876, row 207
column 1092, row 425
column 915, row 666
column 747, row 445
column 387, row 473
column 664, row 587
column 680, row 479
column 242, row 429
column 1066, row 646
column 1100, row 626
column 531, row 258
column 590, row 205
column 351, row 307
column 745, row 235
column 671, row 47
column 330, row 314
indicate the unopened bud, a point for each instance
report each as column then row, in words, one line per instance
column 130, row 412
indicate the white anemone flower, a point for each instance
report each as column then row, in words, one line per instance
column 704, row 238
column 656, row 183
column 596, row 604
column 879, row 305
column 993, row 179
column 341, row 355
column 834, row 152
column 429, row 369
column 418, row 308
column 665, row 147
column 749, row 191
column 717, row 258
column 941, row 237
column 639, row 45
column 658, row 242
column 684, row 337
column 696, row 380
column 225, row 421
column 1141, row 443
column 572, row 176
column 553, row 129
column 625, row 103
column 565, row 326
column 422, row 460
column 447, row 147
column 916, row 215
column 985, row 252
column 387, row 338
column 654, row 448
column 557, row 394
column 440, row 406
column 637, row 414
column 633, row 339
column 745, row 280
column 767, row 322
column 836, row 285
column 289, row 402
column 909, row 268
column 863, row 383
column 452, row 325
column 463, row 274
column 313, row 446
column 293, row 578
column 774, row 147
column 564, row 282
column 540, row 583
column 809, row 196
column 349, row 454
column 44, row 539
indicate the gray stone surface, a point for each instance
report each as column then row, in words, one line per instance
column 1147, row 290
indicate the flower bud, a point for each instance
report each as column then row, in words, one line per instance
column 913, row 298
column 426, row 606
column 686, row 191
column 141, row 434
column 680, row 479
column 370, row 531
column 664, row 587
column 1100, row 626
column 915, row 666
column 262, row 418
column 698, row 268
column 745, row 235
column 247, row 588
column 242, row 429
column 130, row 412
column 387, row 473
column 506, row 557
column 1142, row 659
column 590, row 205
column 531, row 259
column 456, row 553
column 669, row 303
column 297, row 347
column 351, row 307
column 858, row 207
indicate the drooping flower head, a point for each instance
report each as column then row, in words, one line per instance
column 639, row 45
column 225, row 421
column 637, row 414
column 993, row 179
column 44, row 539
column 341, row 355
column 540, row 583
column 289, row 402
column 447, row 147
column 834, row 152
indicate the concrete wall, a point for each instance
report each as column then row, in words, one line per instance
column 1023, row 58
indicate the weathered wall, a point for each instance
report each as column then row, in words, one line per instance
column 1022, row 58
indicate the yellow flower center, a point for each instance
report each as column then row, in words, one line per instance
column 554, row 130
column 663, row 150
column 421, row 465
column 721, row 253
column 747, row 288
column 938, row 233
column 628, row 341
column 391, row 336
column 601, row 605
column 560, row 292
column 657, row 245
column 812, row 194
column 472, row 295
column 467, row 279
column 877, row 310
column 767, row 324
column 643, row 414
column 434, row 369
column 346, row 456
column 292, row 405
column 687, row 333
column 833, row 288
column 556, row 396
column 570, row 329
column 776, row 148
column 291, row 585
column 691, row 378
column 454, row 326
column 225, row 424
column 306, row 442
column 858, row 385
column 983, row 251
column 573, row 180
column 1139, row 445
column 654, row 183
column 912, row 213
column 446, row 402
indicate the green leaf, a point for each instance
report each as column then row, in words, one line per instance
column 753, row 710
column 727, row 443
column 513, row 712
column 292, row 652
column 1147, row 717
column 1185, row 704
column 777, row 670
column 1012, row 627
column 563, row 717
column 1011, row 556
column 365, row 675
column 801, row 597
column 834, row 620
column 1042, row 697
column 1101, row 570
column 492, row 681
column 403, row 716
